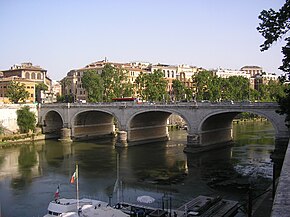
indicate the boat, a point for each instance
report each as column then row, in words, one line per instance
column 64, row 205
column 93, row 211
column 208, row 206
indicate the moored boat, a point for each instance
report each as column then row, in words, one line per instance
column 92, row 211
column 63, row 205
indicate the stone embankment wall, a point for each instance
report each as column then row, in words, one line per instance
column 281, row 204
column 8, row 116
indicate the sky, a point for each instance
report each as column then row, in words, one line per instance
column 61, row 35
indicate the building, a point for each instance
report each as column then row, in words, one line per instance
column 72, row 83
column 252, row 70
column 29, row 87
column 169, row 72
column 29, row 72
column 226, row 73
column 185, row 74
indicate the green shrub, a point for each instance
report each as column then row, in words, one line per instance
column 26, row 120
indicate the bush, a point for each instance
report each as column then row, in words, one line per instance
column 26, row 120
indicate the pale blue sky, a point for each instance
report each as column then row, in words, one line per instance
column 60, row 35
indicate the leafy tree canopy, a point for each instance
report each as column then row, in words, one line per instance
column 152, row 86
column 93, row 84
column 16, row 92
column 26, row 119
column 275, row 26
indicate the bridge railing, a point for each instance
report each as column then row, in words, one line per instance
column 194, row 104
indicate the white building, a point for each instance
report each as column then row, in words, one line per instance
column 226, row 73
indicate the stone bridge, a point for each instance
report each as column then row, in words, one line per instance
column 209, row 124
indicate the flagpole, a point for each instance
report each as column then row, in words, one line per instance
column 77, row 175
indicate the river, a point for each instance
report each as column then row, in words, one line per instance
column 30, row 174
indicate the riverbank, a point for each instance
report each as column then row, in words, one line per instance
column 7, row 141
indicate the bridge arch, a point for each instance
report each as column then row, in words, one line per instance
column 92, row 123
column 216, row 127
column 52, row 122
column 150, row 125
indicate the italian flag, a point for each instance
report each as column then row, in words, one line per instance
column 74, row 176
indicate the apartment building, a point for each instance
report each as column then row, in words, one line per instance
column 252, row 70
column 169, row 73
column 72, row 83
column 30, row 72
column 226, row 73
column 29, row 87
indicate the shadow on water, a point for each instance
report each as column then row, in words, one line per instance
column 151, row 169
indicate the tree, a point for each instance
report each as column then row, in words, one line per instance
column 152, row 86
column 16, row 92
column 274, row 26
column 115, row 83
column 26, row 119
column 38, row 88
column 178, row 90
column 93, row 84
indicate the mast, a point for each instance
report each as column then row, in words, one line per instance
column 118, row 177
column 77, row 177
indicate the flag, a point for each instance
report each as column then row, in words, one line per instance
column 56, row 194
column 74, row 176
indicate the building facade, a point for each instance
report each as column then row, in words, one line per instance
column 72, row 83
column 252, row 70
column 30, row 75
column 28, row 84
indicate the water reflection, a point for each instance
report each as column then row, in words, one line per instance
column 157, row 169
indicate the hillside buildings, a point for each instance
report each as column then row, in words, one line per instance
column 72, row 83
column 29, row 75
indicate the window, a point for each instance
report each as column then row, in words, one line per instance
column 27, row 75
column 172, row 74
column 168, row 74
column 32, row 75
column 39, row 76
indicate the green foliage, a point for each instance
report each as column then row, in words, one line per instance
column 284, row 104
column 152, row 86
column 181, row 92
column 115, row 82
column 236, row 88
column 112, row 83
column 1, row 129
column 26, row 119
column 274, row 25
column 16, row 92
column 65, row 98
column 93, row 84
column 213, row 88
column 38, row 88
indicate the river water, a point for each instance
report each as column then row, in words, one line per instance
column 30, row 174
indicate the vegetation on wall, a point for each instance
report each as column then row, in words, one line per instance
column 26, row 120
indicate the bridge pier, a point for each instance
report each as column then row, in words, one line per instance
column 122, row 139
column 206, row 141
column 65, row 135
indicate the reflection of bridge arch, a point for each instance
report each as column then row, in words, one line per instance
column 217, row 126
column 150, row 125
column 92, row 123
column 53, row 122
